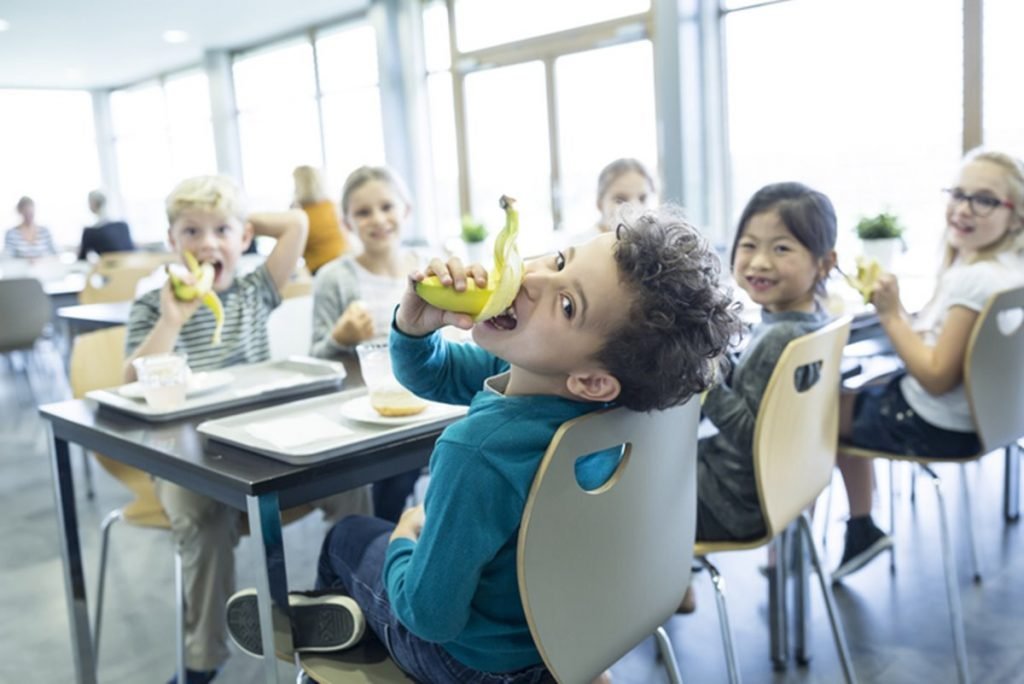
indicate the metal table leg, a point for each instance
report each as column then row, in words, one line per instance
column 71, row 554
column 272, row 581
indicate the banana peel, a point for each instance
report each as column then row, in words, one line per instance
column 503, row 281
column 868, row 271
column 201, row 288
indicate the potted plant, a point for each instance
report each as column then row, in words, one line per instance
column 881, row 238
column 474, row 235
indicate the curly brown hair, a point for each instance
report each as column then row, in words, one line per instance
column 680, row 322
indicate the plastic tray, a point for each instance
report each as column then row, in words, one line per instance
column 252, row 383
column 316, row 429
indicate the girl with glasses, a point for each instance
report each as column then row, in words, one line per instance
column 924, row 411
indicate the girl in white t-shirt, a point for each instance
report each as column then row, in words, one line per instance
column 623, row 183
column 924, row 410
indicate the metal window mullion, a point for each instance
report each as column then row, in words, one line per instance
column 556, row 162
column 459, row 105
column 605, row 34
column 318, row 98
column 973, row 37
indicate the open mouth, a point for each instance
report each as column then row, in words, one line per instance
column 760, row 284
column 506, row 320
column 218, row 268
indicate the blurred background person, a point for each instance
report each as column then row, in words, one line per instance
column 104, row 235
column 326, row 240
column 28, row 240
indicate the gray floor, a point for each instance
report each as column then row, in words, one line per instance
column 898, row 626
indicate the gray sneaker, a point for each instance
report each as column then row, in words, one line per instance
column 329, row 622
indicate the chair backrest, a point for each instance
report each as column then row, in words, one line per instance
column 97, row 362
column 112, row 284
column 994, row 370
column 299, row 285
column 600, row 571
column 24, row 311
column 797, row 428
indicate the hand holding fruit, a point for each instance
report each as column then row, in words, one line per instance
column 173, row 310
column 481, row 299
column 196, row 285
column 886, row 295
column 353, row 326
column 417, row 316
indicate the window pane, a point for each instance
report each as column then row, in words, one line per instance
column 1004, row 98
column 598, row 123
column 279, row 73
column 482, row 23
column 37, row 123
column 873, row 128
column 435, row 37
column 353, row 135
column 274, row 141
column 138, row 109
column 508, row 149
column 445, row 179
column 143, row 158
column 188, row 97
column 347, row 59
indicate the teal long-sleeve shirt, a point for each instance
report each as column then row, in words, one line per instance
column 457, row 584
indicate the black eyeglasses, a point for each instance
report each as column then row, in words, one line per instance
column 980, row 205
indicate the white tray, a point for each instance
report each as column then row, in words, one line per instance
column 250, row 383
column 319, row 428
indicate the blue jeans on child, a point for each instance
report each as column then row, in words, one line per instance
column 352, row 559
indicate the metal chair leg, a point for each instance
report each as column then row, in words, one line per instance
column 105, row 526
column 952, row 586
column 913, row 485
column 892, row 513
column 179, row 610
column 668, row 656
column 1011, row 484
column 723, row 620
column 969, row 520
column 803, row 602
column 828, row 510
column 779, row 648
column 830, row 602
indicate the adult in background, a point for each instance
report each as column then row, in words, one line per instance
column 105, row 235
column 28, row 240
column 326, row 240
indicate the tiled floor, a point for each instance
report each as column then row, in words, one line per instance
column 897, row 626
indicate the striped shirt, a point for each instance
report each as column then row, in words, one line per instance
column 247, row 306
column 17, row 247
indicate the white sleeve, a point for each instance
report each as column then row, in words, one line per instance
column 971, row 286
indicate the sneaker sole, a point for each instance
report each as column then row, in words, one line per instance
column 862, row 558
column 317, row 625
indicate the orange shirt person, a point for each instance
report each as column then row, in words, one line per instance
column 326, row 239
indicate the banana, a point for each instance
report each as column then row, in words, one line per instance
column 201, row 288
column 503, row 282
column 868, row 271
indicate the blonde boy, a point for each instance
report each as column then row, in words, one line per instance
column 207, row 218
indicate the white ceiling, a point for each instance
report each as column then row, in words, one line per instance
column 103, row 43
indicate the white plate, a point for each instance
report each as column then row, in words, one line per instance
column 198, row 383
column 359, row 409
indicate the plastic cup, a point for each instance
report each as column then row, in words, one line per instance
column 387, row 396
column 163, row 378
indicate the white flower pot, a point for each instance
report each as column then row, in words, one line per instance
column 882, row 250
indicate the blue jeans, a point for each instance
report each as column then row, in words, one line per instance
column 352, row 559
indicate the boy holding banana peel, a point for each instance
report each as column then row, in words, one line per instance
column 633, row 317
column 210, row 231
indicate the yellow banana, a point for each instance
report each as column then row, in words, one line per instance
column 868, row 271
column 202, row 287
column 503, row 281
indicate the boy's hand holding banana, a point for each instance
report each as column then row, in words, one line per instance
column 484, row 296
column 197, row 284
